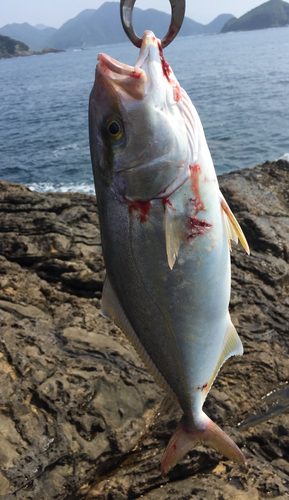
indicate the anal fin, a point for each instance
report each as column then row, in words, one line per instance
column 112, row 309
column 232, row 346
column 234, row 231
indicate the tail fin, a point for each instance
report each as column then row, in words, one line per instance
column 183, row 440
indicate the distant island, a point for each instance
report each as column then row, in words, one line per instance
column 14, row 48
column 272, row 14
column 102, row 26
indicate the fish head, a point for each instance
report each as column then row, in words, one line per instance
column 138, row 137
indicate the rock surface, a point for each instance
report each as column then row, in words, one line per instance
column 78, row 408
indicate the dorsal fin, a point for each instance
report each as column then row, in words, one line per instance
column 111, row 308
column 233, row 228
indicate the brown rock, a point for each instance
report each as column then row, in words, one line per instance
column 77, row 406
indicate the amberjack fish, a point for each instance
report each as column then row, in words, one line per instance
column 166, row 231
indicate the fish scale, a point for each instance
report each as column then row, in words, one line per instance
column 166, row 231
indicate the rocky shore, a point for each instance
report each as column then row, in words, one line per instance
column 80, row 416
column 19, row 52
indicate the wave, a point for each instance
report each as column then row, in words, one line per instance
column 74, row 146
column 285, row 157
column 72, row 187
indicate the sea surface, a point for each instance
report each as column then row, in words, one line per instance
column 239, row 83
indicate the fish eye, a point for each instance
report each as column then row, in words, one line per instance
column 114, row 128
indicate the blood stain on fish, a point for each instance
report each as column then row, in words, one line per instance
column 167, row 201
column 197, row 227
column 203, row 387
column 195, row 172
column 177, row 92
column 134, row 74
column 142, row 208
column 165, row 65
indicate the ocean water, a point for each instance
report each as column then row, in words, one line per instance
column 239, row 83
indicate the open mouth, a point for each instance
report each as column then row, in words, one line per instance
column 129, row 79
column 132, row 80
column 108, row 64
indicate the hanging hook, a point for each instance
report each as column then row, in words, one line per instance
column 178, row 14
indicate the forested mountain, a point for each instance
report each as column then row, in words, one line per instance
column 36, row 39
column 102, row 26
column 274, row 13
column 10, row 47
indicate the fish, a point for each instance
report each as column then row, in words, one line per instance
column 166, row 231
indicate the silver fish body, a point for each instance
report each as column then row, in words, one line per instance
column 165, row 233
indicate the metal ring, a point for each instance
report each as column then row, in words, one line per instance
column 178, row 14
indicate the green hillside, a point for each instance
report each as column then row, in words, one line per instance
column 272, row 14
column 10, row 47
column 35, row 38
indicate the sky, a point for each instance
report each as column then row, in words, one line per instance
column 56, row 12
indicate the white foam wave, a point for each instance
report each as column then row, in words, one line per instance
column 61, row 151
column 285, row 157
column 49, row 187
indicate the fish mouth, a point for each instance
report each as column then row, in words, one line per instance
column 131, row 80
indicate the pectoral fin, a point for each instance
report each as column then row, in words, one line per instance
column 234, row 231
column 174, row 233
column 112, row 309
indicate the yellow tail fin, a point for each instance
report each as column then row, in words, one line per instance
column 208, row 433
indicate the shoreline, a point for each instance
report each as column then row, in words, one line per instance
column 24, row 53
